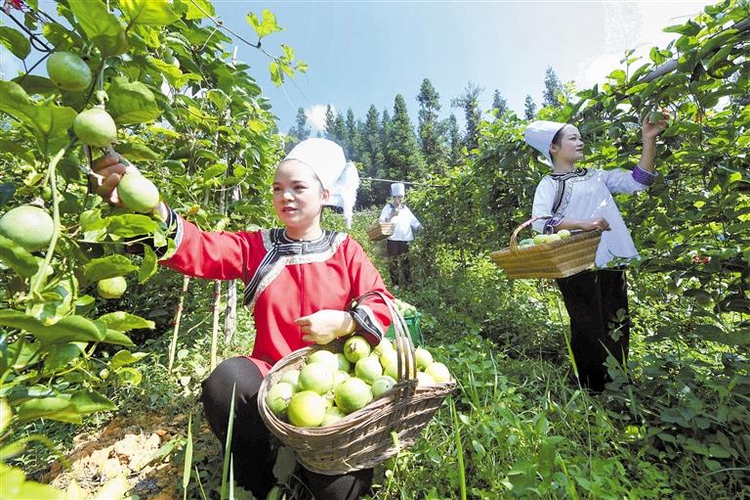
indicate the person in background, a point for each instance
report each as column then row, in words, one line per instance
column 404, row 226
column 580, row 199
column 301, row 283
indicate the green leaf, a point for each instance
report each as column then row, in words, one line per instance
column 149, row 265
column 118, row 338
column 130, row 225
column 198, row 9
column 125, row 357
column 90, row 402
column 123, row 321
column 101, row 26
column 108, row 267
column 264, row 26
column 18, row 259
column 14, row 486
column 136, row 151
column 15, row 41
column 151, row 12
column 60, row 355
column 131, row 102
column 39, row 85
column 46, row 120
column 54, row 408
column 68, row 329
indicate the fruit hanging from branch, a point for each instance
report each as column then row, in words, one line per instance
column 94, row 127
column 68, row 71
column 29, row 226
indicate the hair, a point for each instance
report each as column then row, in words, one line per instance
column 557, row 139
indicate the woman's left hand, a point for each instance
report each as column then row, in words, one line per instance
column 325, row 325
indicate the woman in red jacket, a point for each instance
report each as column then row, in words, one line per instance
column 300, row 282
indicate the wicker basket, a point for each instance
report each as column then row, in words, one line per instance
column 557, row 259
column 369, row 436
column 380, row 230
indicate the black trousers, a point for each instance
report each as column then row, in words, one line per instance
column 253, row 457
column 597, row 303
column 398, row 262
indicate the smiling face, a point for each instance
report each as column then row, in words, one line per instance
column 298, row 197
column 567, row 146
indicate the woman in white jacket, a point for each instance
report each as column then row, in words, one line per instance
column 405, row 224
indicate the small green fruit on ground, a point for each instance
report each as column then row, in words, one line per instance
column 68, row 71
column 306, row 409
column 137, row 193
column 112, row 288
column 28, row 226
column 94, row 127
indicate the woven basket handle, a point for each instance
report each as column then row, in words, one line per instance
column 406, row 368
column 514, row 236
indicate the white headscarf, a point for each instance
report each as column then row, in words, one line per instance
column 339, row 177
column 539, row 135
column 397, row 189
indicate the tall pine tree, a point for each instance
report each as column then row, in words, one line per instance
column 529, row 108
column 499, row 104
column 552, row 88
column 330, row 123
column 300, row 130
column 430, row 136
column 454, row 140
column 402, row 150
column 469, row 102
column 352, row 137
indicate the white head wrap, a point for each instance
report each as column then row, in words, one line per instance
column 539, row 135
column 339, row 177
column 397, row 189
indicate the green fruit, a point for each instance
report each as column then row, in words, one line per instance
column 563, row 233
column 389, row 360
column 306, row 409
column 439, row 372
column 112, row 288
column 540, row 238
column 352, row 395
column 325, row 357
column 94, row 127
column 278, row 398
column 655, row 117
column 553, row 237
column 368, row 369
column 384, row 346
column 382, row 385
column 29, row 226
column 339, row 377
column 356, row 348
column 526, row 242
column 316, row 377
column 291, row 377
column 425, row 379
column 332, row 416
column 343, row 363
column 423, row 358
column 68, row 71
column 138, row 193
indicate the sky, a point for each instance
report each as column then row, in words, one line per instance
column 366, row 52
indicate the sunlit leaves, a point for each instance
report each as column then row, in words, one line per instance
column 265, row 25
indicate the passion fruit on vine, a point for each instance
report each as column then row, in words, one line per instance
column 137, row 193
column 94, row 127
column 112, row 288
column 68, row 71
column 29, row 226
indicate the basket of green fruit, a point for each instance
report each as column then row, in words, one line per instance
column 556, row 255
column 346, row 406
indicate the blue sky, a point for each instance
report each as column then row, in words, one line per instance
column 363, row 53
column 366, row 52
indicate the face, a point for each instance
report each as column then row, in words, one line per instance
column 398, row 200
column 570, row 147
column 298, row 196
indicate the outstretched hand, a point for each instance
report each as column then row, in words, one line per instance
column 325, row 325
column 108, row 171
column 651, row 129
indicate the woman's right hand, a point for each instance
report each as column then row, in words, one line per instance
column 108, row 170
column 592, row 224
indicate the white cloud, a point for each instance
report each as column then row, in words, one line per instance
column 316, row 116
column 634, row 25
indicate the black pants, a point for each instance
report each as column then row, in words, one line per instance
column 253, row 457
column 398, row 262
column 595, row 300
